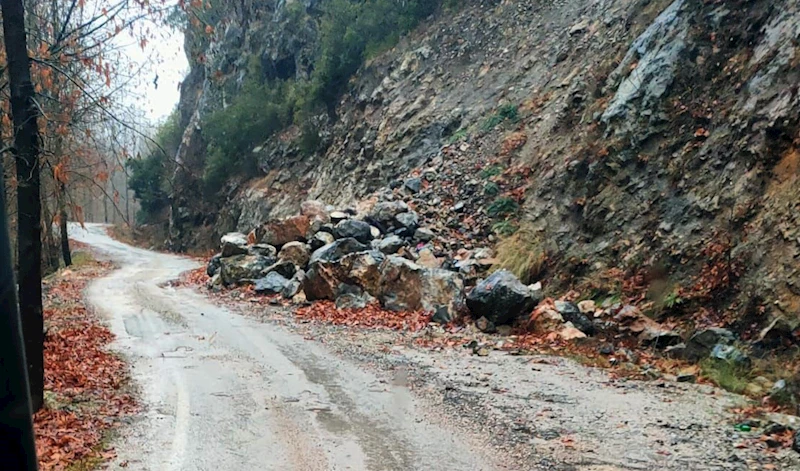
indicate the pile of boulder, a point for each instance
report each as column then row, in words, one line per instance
column 382, row 254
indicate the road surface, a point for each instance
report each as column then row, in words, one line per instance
column 225, row 392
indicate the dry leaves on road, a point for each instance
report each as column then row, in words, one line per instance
column 372, row 316
column 84, row 383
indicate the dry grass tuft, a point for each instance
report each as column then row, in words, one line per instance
column 523, row 254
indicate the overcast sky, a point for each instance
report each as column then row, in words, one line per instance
column 163, row 57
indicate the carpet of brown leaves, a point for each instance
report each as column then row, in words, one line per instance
column 372, row 316
column 85, row 393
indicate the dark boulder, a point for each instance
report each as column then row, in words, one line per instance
column 501, row 298
column 214, row 265
column 335, row 251
column 352, row 228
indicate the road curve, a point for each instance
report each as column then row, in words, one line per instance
column 225, row 392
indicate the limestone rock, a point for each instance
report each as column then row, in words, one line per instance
column 296, row 252
column 406, row 286
column 233, row 243
column 273, row 283
column 278, row 233
column 243, row 268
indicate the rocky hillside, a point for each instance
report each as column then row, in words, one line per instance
column 644, row 150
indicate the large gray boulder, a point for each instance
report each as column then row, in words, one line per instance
column 244, row 268
column 352, row 228
column 501, row 298
column 335, row 251
column 271, row 284
column 233, row 243
column 406, row 286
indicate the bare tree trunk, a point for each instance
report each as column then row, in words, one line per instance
column 26, row 141
column 62, row 224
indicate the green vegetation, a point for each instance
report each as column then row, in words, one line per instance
column 503, row 206
column 350, row 31
column 457, row 136
column 491, row 171
column 506, row 112
column 726, row 374
column 491, row 189
column 149, row 175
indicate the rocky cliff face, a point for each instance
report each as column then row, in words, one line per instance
column 646, row 148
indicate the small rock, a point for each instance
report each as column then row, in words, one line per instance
column 774, row 428
column 424, row 235
column 686, row 378
column 587, row 306
column 384, row 213
column 391, row 245
column 607, row 349
column 730, row 354
column 409, row 220
column 278, row 233
column 703, row 341
column 338, row 216
column 458, row 207
column 413, row 185
column 482, row 352
column 571, row 313
column 354, row 300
